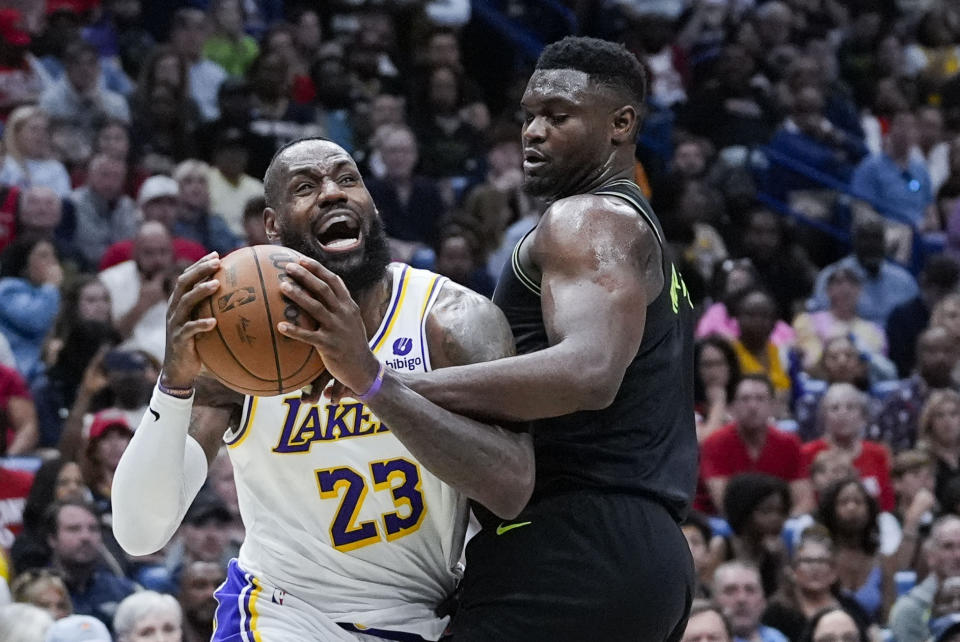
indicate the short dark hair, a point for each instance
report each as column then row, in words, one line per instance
column 759, row 378
column 942, row 271
column 52, row 514
column 270, row 186
column 607, row 63
column 815, row 621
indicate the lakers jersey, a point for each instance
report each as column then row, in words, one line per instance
column 337, row 511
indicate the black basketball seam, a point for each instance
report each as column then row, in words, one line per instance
column 273, row 335
column 229, row 350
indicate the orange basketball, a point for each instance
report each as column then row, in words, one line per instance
column 245, row 351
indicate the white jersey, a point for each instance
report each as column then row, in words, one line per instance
column 337, row 511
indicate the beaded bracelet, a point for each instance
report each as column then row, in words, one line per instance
column 375, row 386
column 179, row 393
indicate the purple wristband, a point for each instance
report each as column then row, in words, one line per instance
column 375, row 386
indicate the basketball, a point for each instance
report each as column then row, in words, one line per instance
column 245, row 351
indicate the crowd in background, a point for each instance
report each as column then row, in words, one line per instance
column 802, row 155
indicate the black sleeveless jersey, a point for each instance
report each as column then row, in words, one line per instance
column 645, row 441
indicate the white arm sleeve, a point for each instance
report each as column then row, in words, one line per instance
column 160, row 473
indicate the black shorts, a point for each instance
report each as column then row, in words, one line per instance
column 588, row 566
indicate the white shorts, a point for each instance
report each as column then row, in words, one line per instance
column 251, row 610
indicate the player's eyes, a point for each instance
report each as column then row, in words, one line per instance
column 303, row 187
column 559, row 119
column 348, row 180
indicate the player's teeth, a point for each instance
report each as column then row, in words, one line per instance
column 341, row 242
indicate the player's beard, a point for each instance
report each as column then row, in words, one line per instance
column 359, row 270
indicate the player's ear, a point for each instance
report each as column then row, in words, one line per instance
column 270, row 224
column 624, row 122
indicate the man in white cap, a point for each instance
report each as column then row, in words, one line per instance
column 78, row 628
column 158, row 200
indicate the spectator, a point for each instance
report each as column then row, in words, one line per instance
column 932, row 150
column 782, row 265
column 885, row 285
column 716, row 373
column 159, row 200
column 148, row 615
column 281, row 39
column 29, row 158
column 458, row 257
column 938, row 433
column 18, row 415
column 756, row 506
column 195, row 220
column 410, row 205
column 835, row 624
column 104, row 214
column 30, row 278
column 67, row 377
column 707, row 624
column 691, row 211
column 845, row 415
column 42, row 588
column 814, row 586
column 850, row 514
column 86, row 299
column 188, row 33
column 908, row 618
column 78, row 627
column 164, row 130
column 76, row 540
column 740, row 595
column 254, row 230
column 897, row 185
column 732, row 279
column 751, row 444
column 235, row 100
column 13, row 495
column 700, row 538
column 946, row 315
column 78, row 100
column 896, row 423
column 901, row 531
column 123, row 35
column 940, row 276
column 110, row 432
column 24, row 622
column 139, row 289
column 275, row 116
column 57, row 480
column 843, row 291
column 230, row 186
column 450, row 146
column 228, row 45
column 757, row 354
column 41, row 212
column 840, row 362
column 22, row 78
column 164, row 66
column 199, row 581
column 113, row 138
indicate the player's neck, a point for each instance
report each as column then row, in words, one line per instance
column 374, row 301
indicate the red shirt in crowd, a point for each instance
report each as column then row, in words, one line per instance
column 14, row 488
column 12, row 386
column 724, row 454
column 873, row 464
column 183, row 249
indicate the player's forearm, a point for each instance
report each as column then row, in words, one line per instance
column 160, row 473
column 549, row 383
column 487, row 463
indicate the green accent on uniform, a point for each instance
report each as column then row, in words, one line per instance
column 501, row 529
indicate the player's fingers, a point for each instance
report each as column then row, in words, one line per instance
column 193, row 328
column 319, row 280
column 300, row 334
column 338, row 391
column 332, row 280
column 306, row 300
column 200, row 270
column 185, row 307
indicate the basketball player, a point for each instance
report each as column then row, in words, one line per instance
column 349, row 534
column 602, row 320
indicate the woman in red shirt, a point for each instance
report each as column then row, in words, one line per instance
column 843, row 413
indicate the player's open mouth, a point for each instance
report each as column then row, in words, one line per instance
column 339, row 233
column 532, row 159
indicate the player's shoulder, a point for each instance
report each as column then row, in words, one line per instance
column 582, row 217
column 466, row 327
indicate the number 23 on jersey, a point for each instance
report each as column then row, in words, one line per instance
column 400, row 476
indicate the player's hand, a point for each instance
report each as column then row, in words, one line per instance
column 340, row 337
column 181, row 363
